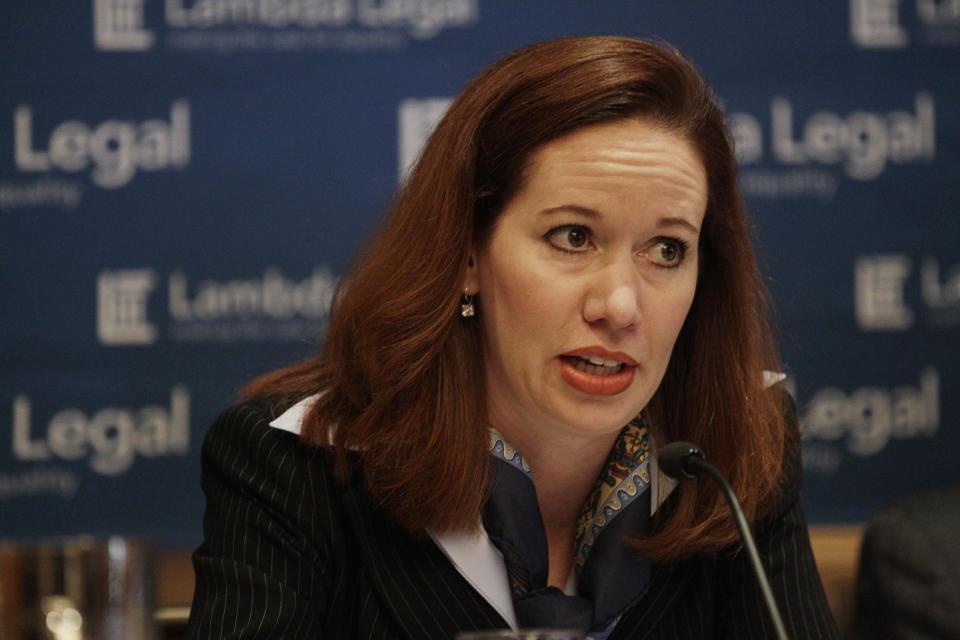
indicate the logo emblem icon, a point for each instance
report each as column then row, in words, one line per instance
column 118, row 26
column 875, row 24
column 879, row 281
column 122, row 298
column 416, row 120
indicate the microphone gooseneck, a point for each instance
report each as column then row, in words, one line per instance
column 684, row 461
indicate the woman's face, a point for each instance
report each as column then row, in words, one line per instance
column 586, row 279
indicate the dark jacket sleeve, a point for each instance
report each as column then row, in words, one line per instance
column 260, row 571
column 784, row 548
column 909, row 580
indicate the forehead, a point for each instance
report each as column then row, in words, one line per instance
column 626, row 158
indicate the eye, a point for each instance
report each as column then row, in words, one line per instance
column 572, row 238
column 668, row 253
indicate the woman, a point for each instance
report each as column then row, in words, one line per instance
column 566, row 273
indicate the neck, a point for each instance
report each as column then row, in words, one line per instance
column 564, row 478
column 564, row 472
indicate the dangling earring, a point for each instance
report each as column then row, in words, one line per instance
column 467, row 310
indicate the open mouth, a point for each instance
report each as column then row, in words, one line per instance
column 595, row 366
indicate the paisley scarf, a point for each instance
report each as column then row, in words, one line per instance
column 609, row 577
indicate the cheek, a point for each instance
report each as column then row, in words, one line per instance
column 526, row 303
column 672, row 315
column 523, row 297
column 506, row 271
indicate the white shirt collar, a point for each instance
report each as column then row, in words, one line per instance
column 291, row 420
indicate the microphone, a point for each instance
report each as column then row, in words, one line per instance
column 685, row 461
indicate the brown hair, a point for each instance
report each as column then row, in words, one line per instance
column 401, row 374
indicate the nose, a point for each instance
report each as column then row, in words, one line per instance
column 613, row 296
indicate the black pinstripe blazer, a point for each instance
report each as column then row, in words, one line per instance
column 288, row 553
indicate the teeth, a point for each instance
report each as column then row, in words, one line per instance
column 589, row 366
column 600, row 362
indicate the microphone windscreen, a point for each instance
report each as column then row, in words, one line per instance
column 672, row 459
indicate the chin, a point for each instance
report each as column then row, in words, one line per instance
column 603, row 420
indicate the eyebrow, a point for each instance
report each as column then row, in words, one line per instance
column 662, row 223
column 575, row 208
column 676, row 222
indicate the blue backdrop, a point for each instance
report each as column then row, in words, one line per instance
column 183, row 181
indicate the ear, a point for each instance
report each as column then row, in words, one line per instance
column 471, row 282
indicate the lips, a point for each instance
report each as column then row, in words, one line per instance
column 596, row 371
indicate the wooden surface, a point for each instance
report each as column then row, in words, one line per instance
column 837, row 550
column 174, row 579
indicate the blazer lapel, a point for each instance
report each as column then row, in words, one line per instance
column 418, row 585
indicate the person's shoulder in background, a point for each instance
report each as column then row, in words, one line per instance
column 908, row 585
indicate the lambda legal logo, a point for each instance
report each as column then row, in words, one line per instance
column 122, row 298
column 118, row 26
column 881, row 283
column 270, row 306
column 878, row 24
